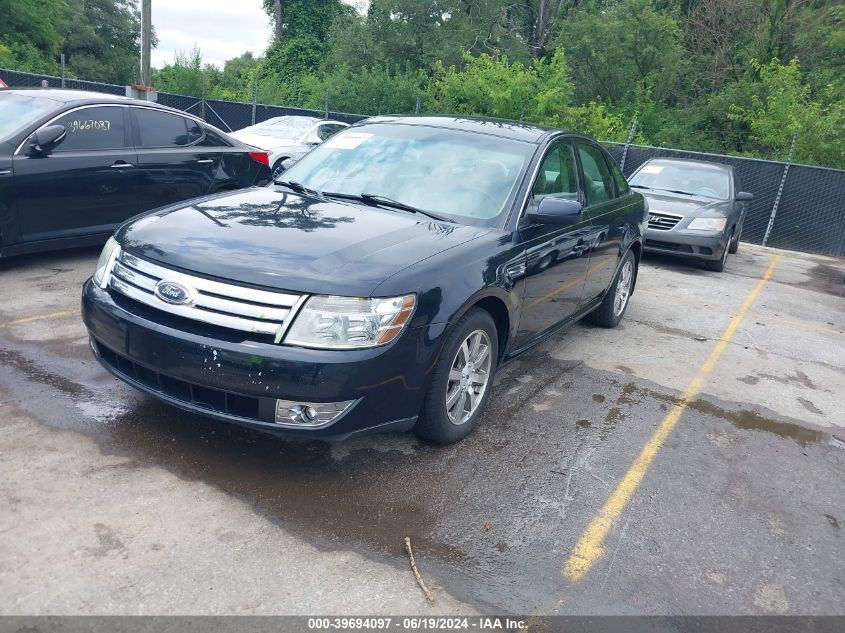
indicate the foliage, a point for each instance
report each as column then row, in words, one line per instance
column 183, row 76
column 685, row 69
column 784, row 108
column 100, row 38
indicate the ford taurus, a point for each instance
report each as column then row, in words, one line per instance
column 379, row 286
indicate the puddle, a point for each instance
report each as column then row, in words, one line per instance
column 826, row 278
column 748, row 420
column 32, row 371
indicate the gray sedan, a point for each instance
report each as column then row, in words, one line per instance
column 696, row 208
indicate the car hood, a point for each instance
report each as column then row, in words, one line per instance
column 687, row 206
column 276, row 239
column 268, row 143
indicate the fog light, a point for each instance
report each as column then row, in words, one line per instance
column 311, row 413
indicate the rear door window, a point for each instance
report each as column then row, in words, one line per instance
column 622, row 187
column 162, row 129
column 102, row 127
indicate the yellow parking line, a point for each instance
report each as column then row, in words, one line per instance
column 590, row 547
column 40, row 317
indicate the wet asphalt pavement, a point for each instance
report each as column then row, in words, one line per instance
column 741, row 511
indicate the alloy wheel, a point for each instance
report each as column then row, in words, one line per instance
column 623, row 288
column 469, row 377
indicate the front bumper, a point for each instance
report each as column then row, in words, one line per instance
column 200, row 370
column 694, row 244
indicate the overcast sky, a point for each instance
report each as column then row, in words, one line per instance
column 222, row 29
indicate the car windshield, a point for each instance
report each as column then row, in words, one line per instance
column 465, row 176
column 17, row 111
column 705, row 181
column 285, row 127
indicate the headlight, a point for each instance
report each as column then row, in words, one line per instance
column 708, row 224
column 104, row 265
column 349, row 322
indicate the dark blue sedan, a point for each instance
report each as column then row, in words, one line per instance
column 378, row 286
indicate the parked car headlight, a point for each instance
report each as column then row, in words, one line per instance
column 708, row 224
column 104, row 265
column 350, row 322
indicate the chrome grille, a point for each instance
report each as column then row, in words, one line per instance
column 663, row 221
column 221, row 304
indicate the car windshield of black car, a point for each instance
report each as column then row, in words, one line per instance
column 461, row 175
column 18, row 111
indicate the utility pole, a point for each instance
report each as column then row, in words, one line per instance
column 277, row 18
column 146, row 36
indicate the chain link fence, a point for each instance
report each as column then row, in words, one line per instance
column 796, row 207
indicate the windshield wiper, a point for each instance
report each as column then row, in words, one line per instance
column 639, row 187
column 376, row 199
column 296, row 186
column 685, row 193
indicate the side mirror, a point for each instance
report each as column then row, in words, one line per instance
column 313, row 140
column 48, row 138
column 744, row 196
column 557, row 211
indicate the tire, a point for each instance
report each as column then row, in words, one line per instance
column 547, row 261
column 435, row 423
column 277, row 167
column 718, row 265
column 609, row 313
column 734, row 243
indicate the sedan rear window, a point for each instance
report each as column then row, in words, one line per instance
column 18, row 111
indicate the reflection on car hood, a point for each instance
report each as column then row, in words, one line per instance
column 272, row 238
column 263, row 142
column 679, row 204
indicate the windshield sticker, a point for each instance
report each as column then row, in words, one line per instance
column 652, row 169
column 350, row 140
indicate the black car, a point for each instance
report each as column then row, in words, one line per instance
column 74, row 165
column 696, row 208
column 379, row 286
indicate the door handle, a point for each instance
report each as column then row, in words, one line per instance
column 5, row 172
column 205, row 161
column 121, row 165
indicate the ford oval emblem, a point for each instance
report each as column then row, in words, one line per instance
column 173, row 292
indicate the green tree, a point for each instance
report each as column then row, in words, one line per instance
column 102, row 40
column 183, row 76
column 29, row 34
column 623, row 48
column 785, row 108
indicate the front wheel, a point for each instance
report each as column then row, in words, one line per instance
column 462, row 380
column 718, row 265
column 612, row 308
column 734, row 243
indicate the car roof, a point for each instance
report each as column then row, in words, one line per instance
column 517, row 130
column 89, row 97
column 66, row 96
column 313, row 120
column 691, row 162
